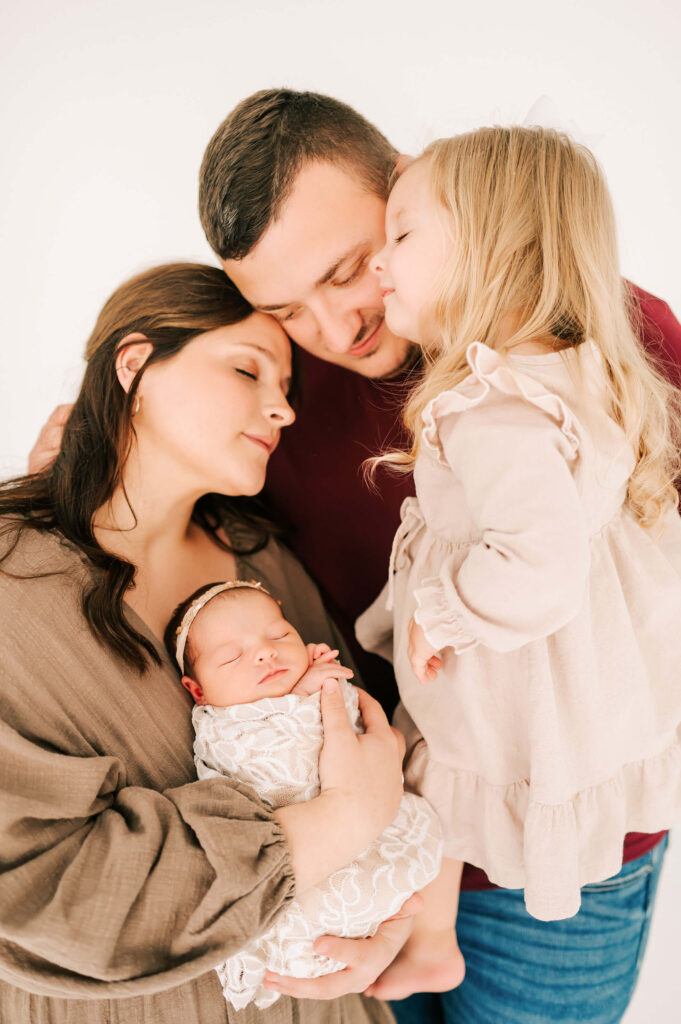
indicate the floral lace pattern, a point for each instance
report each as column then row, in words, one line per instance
column 274, row 746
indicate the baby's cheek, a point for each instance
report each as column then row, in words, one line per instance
column 302, row 658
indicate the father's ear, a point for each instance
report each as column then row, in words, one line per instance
column 131, row 356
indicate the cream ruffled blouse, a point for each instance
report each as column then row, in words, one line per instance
column 553, row 727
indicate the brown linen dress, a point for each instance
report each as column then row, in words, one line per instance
column 125, row 881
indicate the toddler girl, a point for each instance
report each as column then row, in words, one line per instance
column 257, row 719
column 535, row 581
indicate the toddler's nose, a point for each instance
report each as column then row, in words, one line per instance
column 377, row 262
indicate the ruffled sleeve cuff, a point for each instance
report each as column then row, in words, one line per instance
column 440, row 622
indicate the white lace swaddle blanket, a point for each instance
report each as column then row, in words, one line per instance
column 274, row 746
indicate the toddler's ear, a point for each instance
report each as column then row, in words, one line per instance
column 194, row 688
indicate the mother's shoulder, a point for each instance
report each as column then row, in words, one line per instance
column 31, row 556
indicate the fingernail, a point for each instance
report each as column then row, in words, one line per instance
column 330, row 686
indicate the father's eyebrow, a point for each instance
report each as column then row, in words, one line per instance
column 327, row 276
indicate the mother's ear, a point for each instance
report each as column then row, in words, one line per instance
column 132, row 354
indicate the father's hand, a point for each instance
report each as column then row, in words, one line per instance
column 45, row 450
column 366, row 959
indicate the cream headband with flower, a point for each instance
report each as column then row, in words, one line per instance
column 200, row 602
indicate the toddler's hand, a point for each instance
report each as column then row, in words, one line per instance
column 424, row 658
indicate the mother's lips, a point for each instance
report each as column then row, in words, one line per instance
column 264, row 442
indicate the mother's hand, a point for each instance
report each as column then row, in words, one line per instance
column 365, row 770
column 366, row 959
column 361, row 789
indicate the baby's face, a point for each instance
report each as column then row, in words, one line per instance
column 243, row 649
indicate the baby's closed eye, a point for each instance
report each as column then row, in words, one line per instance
column 230, row 656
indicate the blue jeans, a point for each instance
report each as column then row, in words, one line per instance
column 522, row 971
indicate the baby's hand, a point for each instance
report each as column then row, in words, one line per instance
column 323, row 666
column 424, row 658
column 320, row 654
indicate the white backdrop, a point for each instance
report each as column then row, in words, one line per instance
column 106, row 108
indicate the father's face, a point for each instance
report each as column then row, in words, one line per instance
column 310, row 270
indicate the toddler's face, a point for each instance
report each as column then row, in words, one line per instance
column 243, row 649
column 416, row 249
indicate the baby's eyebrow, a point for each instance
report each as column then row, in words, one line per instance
column 228, row 645
column 278, row 623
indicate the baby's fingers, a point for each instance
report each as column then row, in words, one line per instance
column 326, row 656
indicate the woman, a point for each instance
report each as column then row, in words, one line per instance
column 125, row 881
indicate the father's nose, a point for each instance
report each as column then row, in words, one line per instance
column 337, row 326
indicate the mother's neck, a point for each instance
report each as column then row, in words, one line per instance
column 148, row 522
column 150, row 510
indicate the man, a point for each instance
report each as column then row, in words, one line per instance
column 292, row 200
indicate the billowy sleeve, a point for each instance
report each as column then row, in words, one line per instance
column 526, row 575
column 104, row 882
column 111, row 888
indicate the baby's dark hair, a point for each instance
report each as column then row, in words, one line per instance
column 172, row 630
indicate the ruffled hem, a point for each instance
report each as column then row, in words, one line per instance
column 439, row 621
column 491, row 371
column 549, row 850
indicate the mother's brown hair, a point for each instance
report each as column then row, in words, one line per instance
column 170, row 305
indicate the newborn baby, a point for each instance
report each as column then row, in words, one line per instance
column 257, row 719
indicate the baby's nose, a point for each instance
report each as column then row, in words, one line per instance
column 266, row 654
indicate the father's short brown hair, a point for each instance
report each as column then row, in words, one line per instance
column 251, row 162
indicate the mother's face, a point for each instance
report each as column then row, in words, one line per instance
column 212, row 414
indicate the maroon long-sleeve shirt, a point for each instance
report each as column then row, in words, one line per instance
column 342, row 528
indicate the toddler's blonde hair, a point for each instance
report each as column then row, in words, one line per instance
column 534, row 245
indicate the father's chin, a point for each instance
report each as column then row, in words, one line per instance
column 387, row 356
